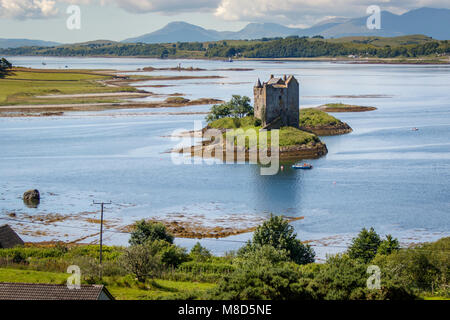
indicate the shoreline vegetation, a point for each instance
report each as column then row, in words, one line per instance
column 192, row 229
column 47, row 92
column 411, row 49
column 277, row 264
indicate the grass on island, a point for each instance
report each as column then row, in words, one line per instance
column 312, row 117
column 25, row 84
column 343, row 107
column 340, row 105
column 289, row 136
column 122, row 288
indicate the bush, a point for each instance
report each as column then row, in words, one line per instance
column 365, row 245
column 343, row 278
column 148, row 232
column 206, row 267
column 278, row 233
column 422, row 268
column 368, row 244
column 259, row 274
column 199, row 253
column 142, row 260
column 172, row 255
column 388, row 246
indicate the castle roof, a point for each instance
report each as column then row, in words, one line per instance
column 273, row 81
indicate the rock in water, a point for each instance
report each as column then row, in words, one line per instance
column 32, row 198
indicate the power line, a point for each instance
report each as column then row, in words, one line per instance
column 207, row 239
column 102, row 204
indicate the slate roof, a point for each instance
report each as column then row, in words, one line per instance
column 41, row 291
column 275, row 81
column 9, row 238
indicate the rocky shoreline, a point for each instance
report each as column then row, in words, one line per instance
column 195, row 230
column 347, row 108
column 328, row 130
column 59, row 109
column 311, row 150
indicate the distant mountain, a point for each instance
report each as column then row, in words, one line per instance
column 178, row 31
column 16, row 43
column 429, row 21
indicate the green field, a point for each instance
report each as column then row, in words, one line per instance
column 25, row 84
column 122, row 288
column 258, row 273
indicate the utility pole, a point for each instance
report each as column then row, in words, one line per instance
column 101, row 232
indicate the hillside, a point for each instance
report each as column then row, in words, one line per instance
column 432, row 22
column 16, row 43
column 413, row 46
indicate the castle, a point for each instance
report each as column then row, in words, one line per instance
column 277, row 102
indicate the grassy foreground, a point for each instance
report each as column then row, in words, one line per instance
column 122, row 288
column 25, row 84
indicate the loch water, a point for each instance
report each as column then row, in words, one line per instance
column 382, row 175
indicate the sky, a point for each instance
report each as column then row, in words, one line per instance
column 121, row 19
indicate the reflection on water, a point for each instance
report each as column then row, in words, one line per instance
column 383, row 174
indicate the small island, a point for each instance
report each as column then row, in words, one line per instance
column 321, row 123
column 342, row 107
column 276, row 107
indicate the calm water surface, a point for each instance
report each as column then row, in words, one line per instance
column 383, row 174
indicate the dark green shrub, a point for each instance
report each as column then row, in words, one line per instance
column 365, row 245
column 278, row 233
column 148, row 232
column 199, row 253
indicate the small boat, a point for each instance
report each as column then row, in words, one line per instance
column 415, row 129
column 303, row 166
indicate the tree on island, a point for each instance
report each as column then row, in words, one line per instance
column 5, row 68
column 237, row 107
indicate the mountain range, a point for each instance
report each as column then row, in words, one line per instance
column 17, row 43
column 428, row 21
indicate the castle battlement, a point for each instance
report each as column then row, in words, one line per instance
column 277, row 102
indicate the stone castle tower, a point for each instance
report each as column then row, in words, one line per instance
column 277, row 102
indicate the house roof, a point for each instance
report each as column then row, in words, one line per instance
column 42, row 291
column 8, row 237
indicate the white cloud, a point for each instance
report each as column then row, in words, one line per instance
column 27, row 9
column 301, row 12
column 166, row 6
column 292, row 12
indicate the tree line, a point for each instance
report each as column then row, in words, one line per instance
column 289, row 47
column 304, row 48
